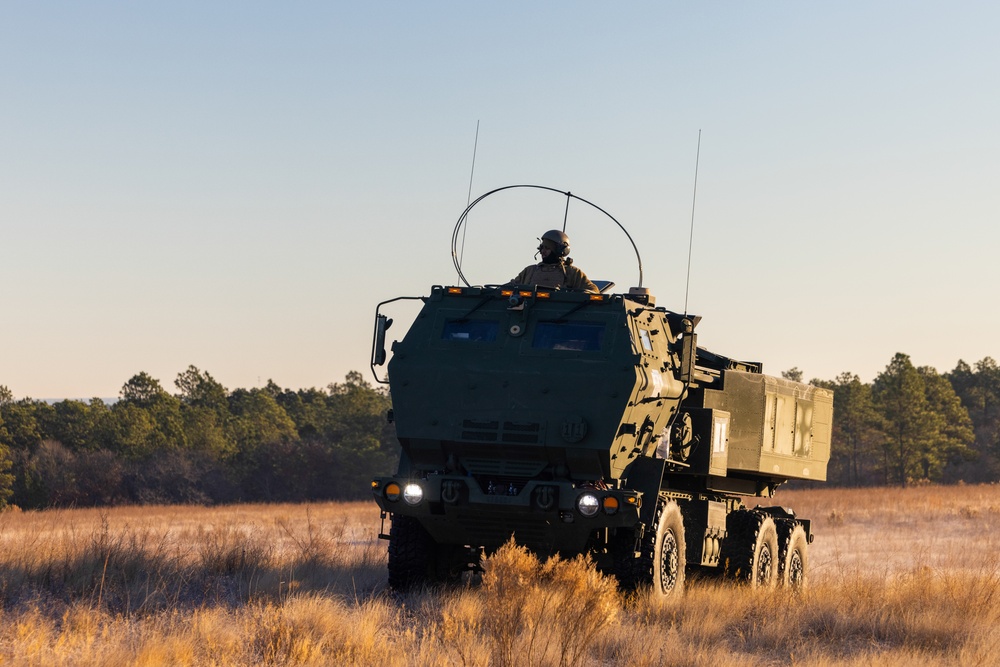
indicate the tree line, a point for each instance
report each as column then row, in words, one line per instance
column 206, row 444
column 202, row 444
column 912, row 425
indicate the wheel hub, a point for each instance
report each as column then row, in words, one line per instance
column 668, row 563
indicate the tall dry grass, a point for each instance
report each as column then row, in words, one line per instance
column 885, row 531
column 144, row 559
column 899, row 577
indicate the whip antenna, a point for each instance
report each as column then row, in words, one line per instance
column 468, row 199
column 694, row 199
column 566, row 212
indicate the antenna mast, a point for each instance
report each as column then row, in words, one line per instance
column 569, row 195
column 694, row 198
column 468, row 199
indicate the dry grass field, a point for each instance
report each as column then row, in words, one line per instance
column 896, row 577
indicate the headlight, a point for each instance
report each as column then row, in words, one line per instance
column 588, row 504
column 413, row 494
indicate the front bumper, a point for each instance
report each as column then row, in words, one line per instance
column 545, row 516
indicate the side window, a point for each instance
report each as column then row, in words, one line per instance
column 647, row 344
column 482, row 331
column 575, row 336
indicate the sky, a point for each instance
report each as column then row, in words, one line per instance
column 237, row 185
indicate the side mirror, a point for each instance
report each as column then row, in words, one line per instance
column 689, row 354
column 382, row 324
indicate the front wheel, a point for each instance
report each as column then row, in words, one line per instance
column 411, row 551
column 669, row 558
column 660, row 560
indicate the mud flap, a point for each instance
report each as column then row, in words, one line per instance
column 645, row 475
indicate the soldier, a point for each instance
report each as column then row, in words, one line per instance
column 556, row 269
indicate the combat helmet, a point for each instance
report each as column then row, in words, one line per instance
column 559, row 239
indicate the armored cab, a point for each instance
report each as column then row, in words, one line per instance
column 580, row 422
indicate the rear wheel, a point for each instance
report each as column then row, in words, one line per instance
column 794, row 557
column 750, row 551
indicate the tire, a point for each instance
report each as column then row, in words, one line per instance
column 794, row 557
column 670, row 559
column 411, row 551
column 750, row 551
column 662, row 560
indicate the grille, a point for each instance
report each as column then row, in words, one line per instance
column 516, row 433
column 503, row 468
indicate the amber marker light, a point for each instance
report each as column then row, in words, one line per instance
column 597, row 297
column 525, row 293
column 610, row 504
column 454, row 290
column 506, row 292
column 392, row 491
column 543, row 295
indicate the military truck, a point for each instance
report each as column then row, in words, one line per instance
column 588, row 423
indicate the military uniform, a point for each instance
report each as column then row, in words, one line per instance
column 558, row 275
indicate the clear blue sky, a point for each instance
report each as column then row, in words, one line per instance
column 235, row 185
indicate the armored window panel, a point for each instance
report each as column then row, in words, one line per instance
column 481, row 331
column 574, row 336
